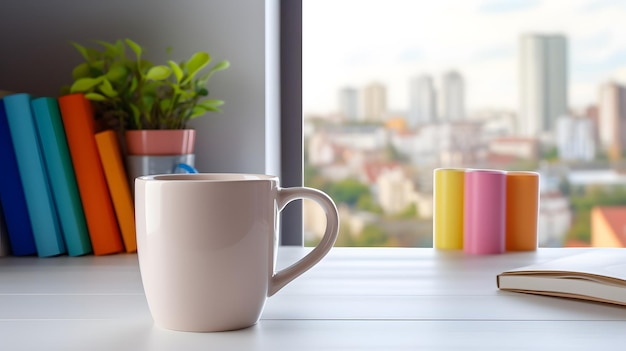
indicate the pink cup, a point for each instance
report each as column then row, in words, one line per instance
column 484, row 212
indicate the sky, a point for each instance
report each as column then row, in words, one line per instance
column 351, row 43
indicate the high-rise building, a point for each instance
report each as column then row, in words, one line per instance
column 422, row 101
column 348, row 104
column 374, row 102
column 575, row 138
column 543, row 83
column 612, row 119
column 453, row 97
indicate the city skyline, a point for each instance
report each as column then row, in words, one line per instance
column 353, row 54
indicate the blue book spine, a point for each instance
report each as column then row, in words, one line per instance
column 61, row 174
column 4, row 236
column 41, row 208
column 12, row 195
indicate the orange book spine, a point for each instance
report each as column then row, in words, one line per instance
column 78, row 121
column 115, row 174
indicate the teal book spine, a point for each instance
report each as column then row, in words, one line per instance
column 58, row 164
column 30, row 163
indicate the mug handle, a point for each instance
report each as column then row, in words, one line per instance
column 285, row 196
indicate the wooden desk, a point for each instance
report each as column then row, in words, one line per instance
column 357, row 299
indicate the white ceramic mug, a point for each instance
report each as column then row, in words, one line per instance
column 207, row 246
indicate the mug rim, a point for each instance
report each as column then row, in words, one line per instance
column 208, row 177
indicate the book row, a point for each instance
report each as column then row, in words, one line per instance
column 63, row 185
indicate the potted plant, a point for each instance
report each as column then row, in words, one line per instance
column 149, row 105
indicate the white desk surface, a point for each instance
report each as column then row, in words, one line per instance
column 355, row 299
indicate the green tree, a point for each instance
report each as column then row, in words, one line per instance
column 521, row 164
column 372, row 235
column 565, row 187
column 584, row 201
column 345, row 237
column 391, row 153
column 347, row 191
column 366, row 203
column 313, row 178
column 551, row 154
column 409, row 212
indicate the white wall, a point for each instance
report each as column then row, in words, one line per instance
column 36, row 57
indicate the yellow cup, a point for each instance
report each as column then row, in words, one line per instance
column 448, row 208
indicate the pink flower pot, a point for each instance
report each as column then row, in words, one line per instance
column 160, row 142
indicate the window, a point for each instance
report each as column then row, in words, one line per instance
column 392, row 89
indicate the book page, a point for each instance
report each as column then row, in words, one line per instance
column 610, row 263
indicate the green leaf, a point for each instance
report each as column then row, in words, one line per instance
column 136, row 114
column 211, row 103
column 214, row 109
column 133, row 85
column 197, row 61
column 81, row 71
column 143, row 66
column 107, row 89
column 218, row 67
column 149, row 88
column 121, row 49
column 164, row 104
column 85, row 84
column 178, row 72
column 204, row 108
column 158, row 73
column 99, row 65
column 197, row 111
column 135, row 47
column 95, row 97
column 116, row 72
column 177, row 89
column 148, row 102
column 82, row 50
column 184, row 95
column 111, row 50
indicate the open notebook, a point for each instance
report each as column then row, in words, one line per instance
column 598, row 275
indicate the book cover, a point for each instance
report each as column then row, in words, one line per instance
column 17, row 221
column 115, row 173
column 78, row 120
column 61, row 173
column 597, row 275
column 39, row 201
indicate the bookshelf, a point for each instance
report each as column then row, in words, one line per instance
column 37, row 58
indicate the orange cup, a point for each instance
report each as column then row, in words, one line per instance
column 522, row 210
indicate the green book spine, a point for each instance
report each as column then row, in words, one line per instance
column 61, row 173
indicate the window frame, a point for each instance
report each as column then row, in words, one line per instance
column 291, row 158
